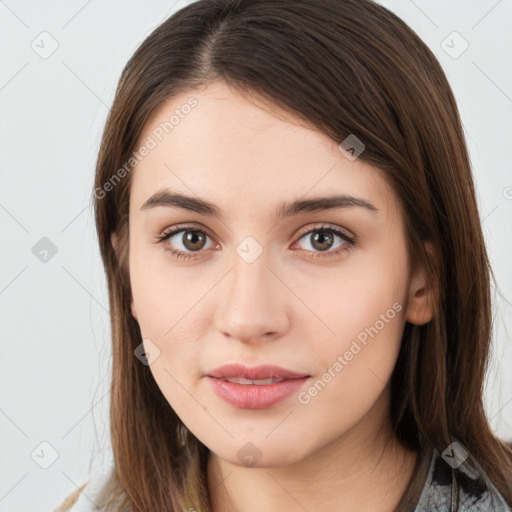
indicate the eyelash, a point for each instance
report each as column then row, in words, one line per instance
column 349, row 241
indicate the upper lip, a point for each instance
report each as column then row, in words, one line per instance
column 254, row 373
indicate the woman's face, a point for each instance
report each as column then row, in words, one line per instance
column 265, row 283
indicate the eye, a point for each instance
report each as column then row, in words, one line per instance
column 192, row 239
column 324, row 239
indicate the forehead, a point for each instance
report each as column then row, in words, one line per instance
column 218, row 143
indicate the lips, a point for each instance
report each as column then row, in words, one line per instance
column 257, row 373
column 255, row 382
column 259, row 387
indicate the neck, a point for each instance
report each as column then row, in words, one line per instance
column 356, row 471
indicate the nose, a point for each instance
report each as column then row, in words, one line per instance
column 253, row 303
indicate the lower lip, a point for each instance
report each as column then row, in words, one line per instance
column 247, row 396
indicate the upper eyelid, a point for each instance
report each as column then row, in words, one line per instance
column 186, row 227
column 306, row 230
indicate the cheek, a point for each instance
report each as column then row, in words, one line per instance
column 161, row 294
column 355, row 296
column 174, row 322
column 357, row 362
column 364, row 310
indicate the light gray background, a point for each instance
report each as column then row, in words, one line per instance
column 55, row 361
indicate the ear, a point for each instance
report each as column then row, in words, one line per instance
column 114, row 241
column 420, row 304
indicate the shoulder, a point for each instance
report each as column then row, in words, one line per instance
column 458, row 489
column 86, row 497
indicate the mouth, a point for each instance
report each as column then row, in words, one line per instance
column 259, row 387
column 255, row 374
column 245, row 382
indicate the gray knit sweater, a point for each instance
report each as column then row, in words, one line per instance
column 445, row 490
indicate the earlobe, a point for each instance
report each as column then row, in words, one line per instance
column 115, row 244
column 420, row 308
column 134, row 313
column 114, row 241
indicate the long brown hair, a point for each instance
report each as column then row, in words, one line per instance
column 345, row 67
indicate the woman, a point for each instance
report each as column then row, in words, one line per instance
column 298, row 281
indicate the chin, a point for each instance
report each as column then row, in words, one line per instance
column 262, row 454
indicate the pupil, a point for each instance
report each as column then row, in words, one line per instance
column 193, row 237
column 322, row 237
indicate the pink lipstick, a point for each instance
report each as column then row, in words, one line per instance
column 259, row 387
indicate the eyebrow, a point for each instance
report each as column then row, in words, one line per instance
column 170, row 199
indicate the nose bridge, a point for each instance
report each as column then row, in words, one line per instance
column 250, row 305
column 249, row 275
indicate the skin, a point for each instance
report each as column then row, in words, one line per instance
column 338, row 451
